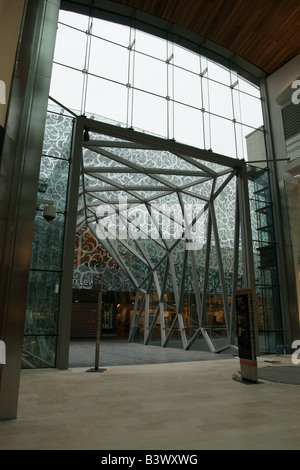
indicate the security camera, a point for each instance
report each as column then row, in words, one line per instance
column 49, row 213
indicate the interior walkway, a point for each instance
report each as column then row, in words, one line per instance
column 118, row 352
column 193, row 405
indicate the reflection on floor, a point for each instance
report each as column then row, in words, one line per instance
column 118, row 352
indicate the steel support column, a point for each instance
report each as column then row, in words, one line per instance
column 247, row 246
column 65, row 307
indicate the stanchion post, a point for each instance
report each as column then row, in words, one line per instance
column 99, row 323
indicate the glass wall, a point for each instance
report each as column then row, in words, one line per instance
column 136, row 80
column 266, row 271
column 41, row 324
column 126, row 77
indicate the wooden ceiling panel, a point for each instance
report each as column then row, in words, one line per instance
column 264, row 32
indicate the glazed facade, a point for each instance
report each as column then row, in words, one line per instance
column 174, row 179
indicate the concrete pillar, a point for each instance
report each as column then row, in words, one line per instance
column 19, row 172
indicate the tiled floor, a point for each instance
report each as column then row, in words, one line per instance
column 192, row 405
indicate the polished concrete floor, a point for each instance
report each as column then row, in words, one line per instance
column 119, row 352
column 188, row 405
